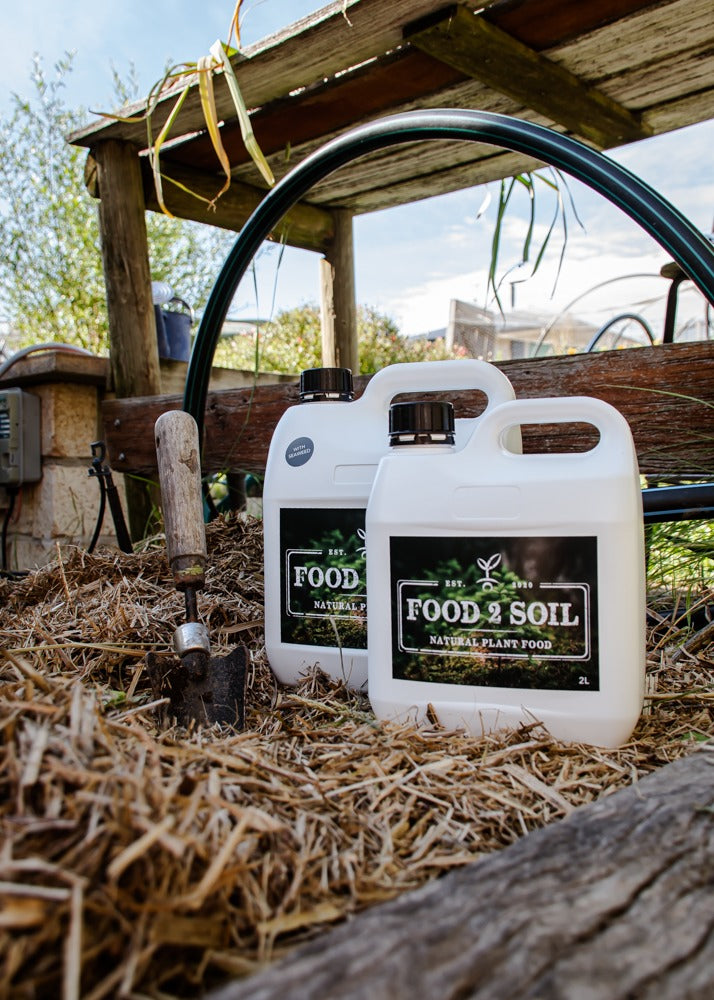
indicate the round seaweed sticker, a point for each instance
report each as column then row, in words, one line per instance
column 299, row 451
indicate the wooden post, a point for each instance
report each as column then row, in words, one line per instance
column 327, row 314
column 339, row 309
column 133, row 349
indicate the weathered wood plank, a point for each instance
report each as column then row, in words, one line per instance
column 407, row 78
column 672, row 30
column 401, row 174
column 696, row 108
column 482, row 50
column 537, row 24
column 666, row 393
column 641, row 89
column 611, row 903
column 305, row 226
column 399, row 168
column 405, row 75
column 431, row 173
column 343, row 33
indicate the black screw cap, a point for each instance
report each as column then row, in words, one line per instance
column 421, row 422
column 326, row 383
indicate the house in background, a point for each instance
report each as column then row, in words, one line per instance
column 492, row 336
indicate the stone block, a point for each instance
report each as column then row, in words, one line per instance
column 70, row 419
column 64, row 505
column 27, row 553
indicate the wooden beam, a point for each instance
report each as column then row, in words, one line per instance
column 612, row 902
column 125, row 256
column 432, row 173
column 339, row 306
column 133, row 348
column 472, row 45
column 304, row 226
column 666, row 394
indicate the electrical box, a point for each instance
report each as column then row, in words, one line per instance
column 20, row 460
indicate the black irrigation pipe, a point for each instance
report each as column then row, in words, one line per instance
column 673, row 231
column 678, row 503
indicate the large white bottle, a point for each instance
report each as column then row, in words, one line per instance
column 507, row 588
column 321, row 463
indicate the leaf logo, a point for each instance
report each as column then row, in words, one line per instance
column 487, row 565
column 362, row 550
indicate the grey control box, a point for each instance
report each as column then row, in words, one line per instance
column 20, row 458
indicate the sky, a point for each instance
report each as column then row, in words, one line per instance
column 410, row 261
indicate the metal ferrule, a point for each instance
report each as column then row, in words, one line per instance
column 190, row 637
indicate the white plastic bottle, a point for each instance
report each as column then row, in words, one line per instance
column 507, row 588
column 321, row 463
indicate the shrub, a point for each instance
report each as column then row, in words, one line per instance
column 293, row 342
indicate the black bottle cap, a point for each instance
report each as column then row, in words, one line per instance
column 422, row 422
column 325, row 383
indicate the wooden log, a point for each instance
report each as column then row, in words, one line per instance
column 666, row 393
column 133, row 347
column 613, row 902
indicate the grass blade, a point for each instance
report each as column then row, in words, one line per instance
column 220, row 55
column 155, row 149
column 208, row 105
column 504, row 195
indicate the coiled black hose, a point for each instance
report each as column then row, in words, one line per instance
column 643, row 204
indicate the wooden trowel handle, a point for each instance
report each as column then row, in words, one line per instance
column 178, row 455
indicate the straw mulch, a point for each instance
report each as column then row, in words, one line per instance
column 145, row 863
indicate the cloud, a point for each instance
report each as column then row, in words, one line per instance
column 425, row 306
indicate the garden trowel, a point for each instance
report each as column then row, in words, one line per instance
column 201, row 688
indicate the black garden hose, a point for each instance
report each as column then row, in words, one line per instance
column 677, row 236
column 630, row 317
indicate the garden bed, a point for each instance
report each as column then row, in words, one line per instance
column 138, row 862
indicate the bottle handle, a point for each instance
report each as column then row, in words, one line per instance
column 436, row 376
column 491, row 434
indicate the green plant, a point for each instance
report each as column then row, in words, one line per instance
column 204, row 69
column 556, row 183
column 51, row 279
column 680, row 555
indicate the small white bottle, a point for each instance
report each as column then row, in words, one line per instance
column 506, row 588
column 321, row 463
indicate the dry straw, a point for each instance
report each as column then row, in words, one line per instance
column 141, row 863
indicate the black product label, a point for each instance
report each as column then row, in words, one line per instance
column 496, row 612
column 323, row 577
